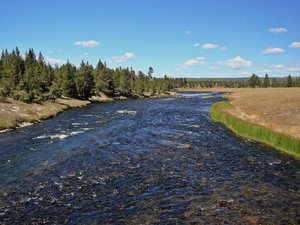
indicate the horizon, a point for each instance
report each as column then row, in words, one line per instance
column 205, row 40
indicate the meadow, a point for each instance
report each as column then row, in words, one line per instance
column 270, row 115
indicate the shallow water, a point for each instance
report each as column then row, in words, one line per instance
column 153, row 161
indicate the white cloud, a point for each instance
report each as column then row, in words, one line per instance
column 124, row 58
column 273, row 50
column 237, row 63
column 223, row 49
column 196, row 45
column 278, row 66
column 209, row 46
column 213, row 68
column 53, row 61
column 87, row 44
column 278, row 30
column 85, row 54
column 51, row 52
column 295, row 44
column 195, row 62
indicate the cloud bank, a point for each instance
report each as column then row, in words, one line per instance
column 278, row 30
column 123, row 58
column 195, row 62
column 87, row 44
column 237, row 63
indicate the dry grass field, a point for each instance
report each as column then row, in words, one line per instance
column 275, row 108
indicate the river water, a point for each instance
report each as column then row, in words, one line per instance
column 152, row 161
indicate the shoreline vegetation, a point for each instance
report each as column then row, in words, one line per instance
column 268, row 115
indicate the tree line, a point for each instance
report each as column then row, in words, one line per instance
column 254, row 81
column 31, row 79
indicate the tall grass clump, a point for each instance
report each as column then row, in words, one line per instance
column 256, row 132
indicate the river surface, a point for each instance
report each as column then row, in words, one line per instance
column 152, row 161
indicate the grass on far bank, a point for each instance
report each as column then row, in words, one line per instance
column 256, row 132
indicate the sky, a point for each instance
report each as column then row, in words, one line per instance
column 179, row 38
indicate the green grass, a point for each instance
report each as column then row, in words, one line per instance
column 256, row 132
column 7, row 125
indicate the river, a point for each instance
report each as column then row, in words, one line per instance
column 152, row 161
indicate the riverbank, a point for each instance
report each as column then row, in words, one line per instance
column 269, row 115
column 15, row 114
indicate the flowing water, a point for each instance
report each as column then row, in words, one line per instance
column 152, row 161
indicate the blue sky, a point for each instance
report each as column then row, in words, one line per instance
column 180, row 38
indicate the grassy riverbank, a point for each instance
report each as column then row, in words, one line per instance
column 270, row 115
column 254, row 131
column 14, row 114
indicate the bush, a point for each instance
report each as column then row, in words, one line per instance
column 3, row 96
column 54, row 92
column 38, row 98
column 23, row 96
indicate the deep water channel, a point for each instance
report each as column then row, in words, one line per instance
column 152, row 161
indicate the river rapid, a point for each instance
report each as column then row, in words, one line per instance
column 152, row 161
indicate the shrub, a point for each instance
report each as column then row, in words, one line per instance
column 54, row 92
column 3, row 96
column 23, row 96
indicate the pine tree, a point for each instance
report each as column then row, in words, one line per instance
column 139, row 83
column 65, row 80
column 123, row 85
column 150, row 72
column 275, row 83
column 103, row 80
column 27, row 82
column 266, row 81
column 289, row 82
column 84, row 81
column 254, row 81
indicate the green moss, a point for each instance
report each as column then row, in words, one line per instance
column 256, row 132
